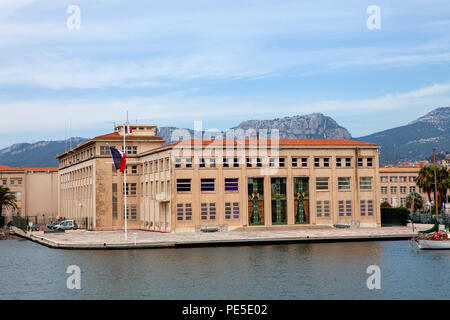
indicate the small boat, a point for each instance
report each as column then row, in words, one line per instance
column 433, row 244
column 210, row 229
column 341, row 225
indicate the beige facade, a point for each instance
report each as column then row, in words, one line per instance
column 36, row 191
column 188, row 186
column 397, row 183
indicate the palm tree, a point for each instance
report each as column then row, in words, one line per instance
column 443, row 183
column 7, row 199
column 425, row 180
column 418, row 201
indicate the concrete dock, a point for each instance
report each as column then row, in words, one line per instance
column 145, row 239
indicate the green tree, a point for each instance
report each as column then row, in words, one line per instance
column 418, row 201
column 425, row 180
column 385, row 204
column 443, row 183
column 7, row 199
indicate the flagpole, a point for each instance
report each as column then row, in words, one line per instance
column 125, row 180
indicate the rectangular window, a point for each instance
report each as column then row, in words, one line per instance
column 294, row 162
column 393, row 189
column 338, row 162
column 365, row 183
column 225, row 162
column 179, row 211
column 282, row 162
column 369, row 162
column 326, row 208
column 402, row 189
column 362, row 207
column 384, row 190
column 104, row 151
column 130, row 149
column 212, row 211
column 134, row 169
column 236, row 163
column 348, row 207
column 304, row 162
column 412, row 189
column 402, row 202
column 202, row 163
column 212, row 162
column 131, row 189
column 188, row 162
column 341, row 208
column 343, row 183
column 19, row 181
column 403, row 179
column 204, row 211
column 207, row 184
column 188, row 211
column 131, row 212
column 319, row 209
column 114, row 201
column 393, row 179
column 4, row 182
column 272, row 162
column 348, row 162
column 249, row 162
column 227, row 210
column 183, row 185
column 236, row 210
column 18, row 196
column 384, row 179
column 177, row 163
column 231, row 184
column 370, row 207
column 326, row 162
column 360, row 162
column 412, row 179
column 258, row 162
column 316, row 162
column 321, row 183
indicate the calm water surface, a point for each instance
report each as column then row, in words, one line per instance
column 295, row 271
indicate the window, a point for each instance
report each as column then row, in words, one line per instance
column 236, row 163
column 4, row 182
column 412, row 179
column 369, row 162
column 130, row 149
column 304, row 162
column 212, row 211
column 348, row 162
column 134, row 169
column 272, row 162
column 393, row 189
column 316, row 162
column 249, row 162
column 343, row 183
column 104, row 150
column 402, row 189
column 12, row 181
column 225, row 162
column 179, row 211
column 202, row 163
column 384, row 190
column 403, row 179
column 412, row 189
column 19, row 181
column 384, row 179
column 338, row 162
column 207, row 184
column 131, row 212
column 227, row 210
column 204, row 211
column 114, row 201
column 18, row 196
column 294, row 162
column 326, row 208
column 183, row 185
column 360, row 162
column 130, row 189
column 326, row 162
column 236, row 210
column 231, row 210
column 258, row 162
column 348, row 208
column 393, row 179
column 282, row 162
column 188, row 162
column 177, row 163
column 231, row 184
column 188, row 211
column 362, row 207
column 212, row 162
column 321, row 183
column 365, row 183
column 341, row 208
column 394, row 201
column 319, row 209
column 370, row 207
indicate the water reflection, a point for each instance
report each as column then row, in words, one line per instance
column 295, row 271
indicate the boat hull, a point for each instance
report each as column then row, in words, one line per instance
column 434, row 244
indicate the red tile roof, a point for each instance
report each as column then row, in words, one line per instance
column 115, row 135
column 6, row 168
column 399, row 169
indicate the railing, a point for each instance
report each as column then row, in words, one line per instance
column 428, row 218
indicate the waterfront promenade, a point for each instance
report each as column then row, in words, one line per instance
column 145, row 239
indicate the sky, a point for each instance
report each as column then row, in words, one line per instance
column 75, row 72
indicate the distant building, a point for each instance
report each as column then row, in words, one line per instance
column 36, row 191
column 194, row 184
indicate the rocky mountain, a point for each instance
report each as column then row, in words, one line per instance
column 416, row 140
column 38, row 154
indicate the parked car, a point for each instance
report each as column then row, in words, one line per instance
column 66, row 225
column 52, row 225
column 35, row 227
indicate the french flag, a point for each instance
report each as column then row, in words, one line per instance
column 119, row 158
column 128, row 129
